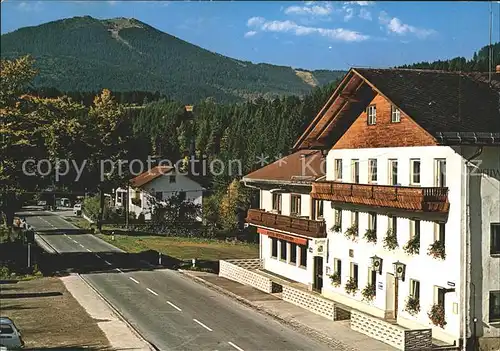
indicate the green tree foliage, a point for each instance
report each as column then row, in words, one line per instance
column 478, row 63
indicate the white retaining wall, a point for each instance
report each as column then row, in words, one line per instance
column 241, row 271
column 392, row 334
column 313, row 303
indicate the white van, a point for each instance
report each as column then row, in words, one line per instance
column 10, row 336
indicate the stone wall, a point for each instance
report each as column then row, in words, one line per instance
column 240, row 271
column 307, row 300
column 392, row 334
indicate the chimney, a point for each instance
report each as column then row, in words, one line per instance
column 498, row 69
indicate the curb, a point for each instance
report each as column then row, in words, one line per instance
column 151, row 346
column 44, row 244
column 337, row 345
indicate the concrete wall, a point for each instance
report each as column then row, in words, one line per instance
column 394, row 335
column 309, row 301
column 240, row 271
column 445, row 272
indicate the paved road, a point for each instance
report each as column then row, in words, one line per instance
column 168, row 309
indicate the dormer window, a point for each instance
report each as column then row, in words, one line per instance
column 395, row 114
column 371, row 113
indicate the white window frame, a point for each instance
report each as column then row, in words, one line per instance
column 279, row 199
column 338, row 169
column 371, row 115
column 438, row 164
column 372, row 220
column 412, row 171
column 391, row 162
column 355, row 162
column 372, row 170
column 395, row 114
column 415, row 227
column 413, row 288
column 338, row 217
column 299, row 205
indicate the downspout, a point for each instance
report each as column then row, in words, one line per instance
column 466, row 256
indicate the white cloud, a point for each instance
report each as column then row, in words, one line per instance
column 111, row 2
column 349, row 13
column 250, row 34
column 30, row 6
column 396, row 26
column 365, row 14
column 341, row 34
column 360, row 3
column 311, row 8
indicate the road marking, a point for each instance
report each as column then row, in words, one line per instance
column 97, row 256
column 151, row 291
column 132, row 279
column 66, row 235
column 76, row 242
column 174, row 306
column 81, row 245
column 203, row 325
column 235, row 346
column 119, row 270
column 109, row 264
column 89, row 250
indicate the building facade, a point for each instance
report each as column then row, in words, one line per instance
column 410, row 201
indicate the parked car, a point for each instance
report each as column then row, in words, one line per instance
column 10, row 336
column 77, row 209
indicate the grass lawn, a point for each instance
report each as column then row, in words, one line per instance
column 185, row 248
column 49, row 317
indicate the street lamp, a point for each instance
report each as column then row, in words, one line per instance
column 399, row 270
column 376, row 264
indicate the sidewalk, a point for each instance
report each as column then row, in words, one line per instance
column 118, row 333
column 338, row 334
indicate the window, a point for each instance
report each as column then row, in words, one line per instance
column 303, row 256
column 338, row 169
column 6, row 329
column 415, row 289
column 354, row 273
column 159, row 195
column 440, row 296
column 395, row 114
column 172, row 179
column 495, row 238
column 293, row 253
column 337, row 266
column 414, row 228
column 283, row 249
column 338, row 217
column 439, row 232
column 355, row 171
column 415, row 172
column 494, row 306
column 372, row 221
column 295, row 204
column 371, row 112
column 318, row 209
column 182, row 195
column 372, row 170
column 393, row 172
column 440, row 173
column 355, row 218
column 274, row 247
column 393, row 224
column 277, row 202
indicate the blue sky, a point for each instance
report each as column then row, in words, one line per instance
column 311, row 35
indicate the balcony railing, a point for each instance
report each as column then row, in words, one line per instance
column 421, row 199
column 294, row 225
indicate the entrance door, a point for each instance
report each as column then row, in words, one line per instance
column 390, row 297
column 318, row 273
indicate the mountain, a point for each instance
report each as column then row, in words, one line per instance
column 122, row 54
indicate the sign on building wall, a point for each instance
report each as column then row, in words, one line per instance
column 319, row 247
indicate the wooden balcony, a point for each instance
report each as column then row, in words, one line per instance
column 290, row 224
column 407, row 198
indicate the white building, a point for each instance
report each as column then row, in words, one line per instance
column 412, row 163
column 160, row 184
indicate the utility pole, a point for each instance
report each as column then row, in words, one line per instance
column 126, row 206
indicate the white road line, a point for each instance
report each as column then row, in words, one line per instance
column 109, row 264
column 132, row 279
column 66, row 235
column 97, row 256
column 89, row 250
column 203, row 325
column 235, row 346
column 151, row 291
column 76, row 242
column 174, row 306
column 119, row 270
column 81, row 245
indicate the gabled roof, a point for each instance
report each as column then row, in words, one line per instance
column 148, row 176
column 440, row 102
column 302, row 167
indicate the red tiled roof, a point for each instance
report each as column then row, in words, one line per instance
column 150, row 175
column 303, row 166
